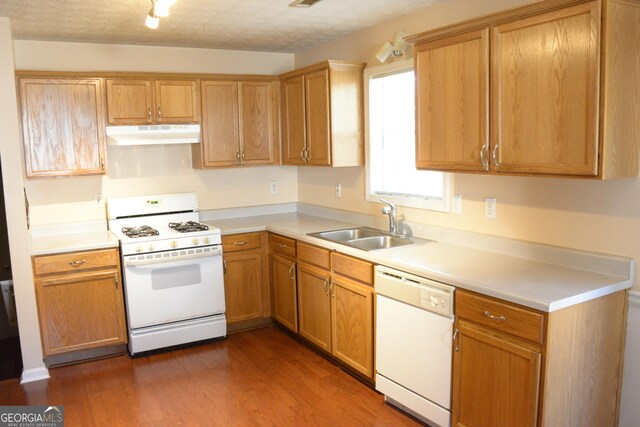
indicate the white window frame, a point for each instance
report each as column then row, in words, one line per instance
column 429, row 203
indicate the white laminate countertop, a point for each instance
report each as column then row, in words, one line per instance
column 72, row 242
column 535, row 284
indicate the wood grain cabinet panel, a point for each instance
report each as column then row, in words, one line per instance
column 129, row 102
column 452, row 103
column 285, row 291
column 80, row 310
column 352, row 324
column 243, row 285
column 322, row 115
column 545, row 97
column 238, row 124
column 561, row 100
column 314, row 310
column 63, row 126
column 176, row 101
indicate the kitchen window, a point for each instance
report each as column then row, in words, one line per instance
column 390, row 142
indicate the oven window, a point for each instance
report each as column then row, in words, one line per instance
column 173, row 277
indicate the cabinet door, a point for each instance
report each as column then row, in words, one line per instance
column 495, row 381
column 129, row 102
column 544, row 93
column 293, row 121
column 256, row 122
column 63, row 126
column 317, row 115
column 285, row 298
column 352, row 324
column 176, row 101
column 243, row 285
column 314, row 305
column 220, row 139
column 452, row 121
column 80, row 311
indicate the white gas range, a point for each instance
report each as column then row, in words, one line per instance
column 172, row 270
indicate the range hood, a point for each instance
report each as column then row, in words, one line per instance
column 153, row 134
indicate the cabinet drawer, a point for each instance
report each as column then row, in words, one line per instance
column 282, row 245
column 240, row 242
column 314, row 255
column 352, row 267
column 501, row 316
column 75, row 261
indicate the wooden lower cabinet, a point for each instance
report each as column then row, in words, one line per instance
column 496, row 380
column 243, row 284
column 314, row 310
column 246, row 284
column 285, row 299
column 80, row 309
column 568, row 373
column 352, row 324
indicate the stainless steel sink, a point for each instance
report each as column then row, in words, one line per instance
column 365, row 238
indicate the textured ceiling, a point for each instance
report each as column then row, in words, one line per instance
column 267, row 25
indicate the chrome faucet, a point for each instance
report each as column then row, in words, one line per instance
column 392, row 212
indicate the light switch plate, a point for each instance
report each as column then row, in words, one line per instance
column 490, row 207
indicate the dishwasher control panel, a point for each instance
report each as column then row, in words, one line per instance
column 435, row 300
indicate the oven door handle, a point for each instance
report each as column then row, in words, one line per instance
column 141, row 262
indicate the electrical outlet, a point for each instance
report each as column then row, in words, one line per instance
column 490, row 207
column 456, row 204
column 97, row 201
column 274, row 187
column 338, row 190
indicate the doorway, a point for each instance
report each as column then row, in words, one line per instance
column 10, row 354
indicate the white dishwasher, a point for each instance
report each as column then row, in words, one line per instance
column 414, row 326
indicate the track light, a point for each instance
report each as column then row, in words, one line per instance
column 159, row 9
column 396, row 49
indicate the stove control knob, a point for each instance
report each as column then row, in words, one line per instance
column 173, row 244
column 138, row 248
column 150, row 247
column 206, row 240
column 195, row 241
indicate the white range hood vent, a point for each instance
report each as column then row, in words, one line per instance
column 153, row 134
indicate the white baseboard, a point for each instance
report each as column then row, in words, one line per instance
column 36, row 374
column 629, row 408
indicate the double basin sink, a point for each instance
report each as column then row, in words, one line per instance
column 367, row 239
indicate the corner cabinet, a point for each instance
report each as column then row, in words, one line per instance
column 146, row 101
column 322, row 115
column 514, row 366
column 539, row 90
column 239, row 124
column 80, row 301
column 63, row 126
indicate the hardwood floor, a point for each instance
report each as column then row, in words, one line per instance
column 257, row 378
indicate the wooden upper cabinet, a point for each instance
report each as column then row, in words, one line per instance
column 561, row 100
column 545, row 97
column 452, row 101
column 257, row 124
column 176, row 101
column 238, row 124
column 317, row 117
column 146, row 101
column 63, row 126
column 322, row 115
column 129, row 102
column 293, row 121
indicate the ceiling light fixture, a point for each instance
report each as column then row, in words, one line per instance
column 159, row 9
column 303, row 3
column 394, row 50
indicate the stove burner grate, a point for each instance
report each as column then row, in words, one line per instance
column 142, row 231
column 188, row 227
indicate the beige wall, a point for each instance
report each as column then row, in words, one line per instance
column 582, row 214
column 152, row 169
column 19, row 240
